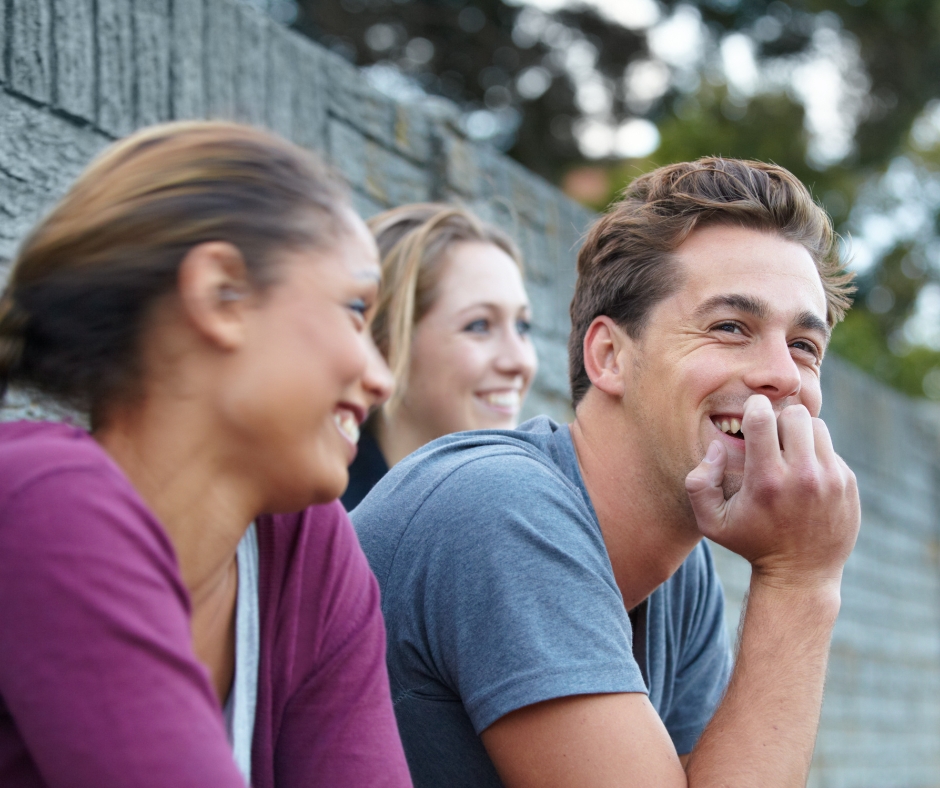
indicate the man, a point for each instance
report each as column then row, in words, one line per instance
column 553, row 615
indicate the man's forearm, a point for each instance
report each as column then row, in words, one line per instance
column 764, row 731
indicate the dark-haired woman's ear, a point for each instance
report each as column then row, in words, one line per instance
column 604, row 345
column 214, row 291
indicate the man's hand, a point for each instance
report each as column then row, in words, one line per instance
column 796, row 516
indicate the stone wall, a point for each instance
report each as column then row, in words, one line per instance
column 75, row 74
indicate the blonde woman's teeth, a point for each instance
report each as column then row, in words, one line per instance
column 347, row 424
column 502, row 399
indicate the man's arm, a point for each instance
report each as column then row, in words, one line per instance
column 795, row 519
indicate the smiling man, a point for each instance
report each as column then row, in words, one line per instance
column 553, row 615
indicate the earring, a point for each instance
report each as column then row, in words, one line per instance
column 228, row 294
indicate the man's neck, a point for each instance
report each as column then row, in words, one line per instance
column 648, row 526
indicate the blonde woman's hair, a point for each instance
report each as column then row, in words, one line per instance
column 73, row 311
column 413, row 242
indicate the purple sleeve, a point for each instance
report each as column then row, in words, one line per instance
column 339, row 724
column 96, row 664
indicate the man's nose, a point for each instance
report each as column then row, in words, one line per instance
column 772, row 371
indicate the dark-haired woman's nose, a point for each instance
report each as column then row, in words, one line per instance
column 377, row 381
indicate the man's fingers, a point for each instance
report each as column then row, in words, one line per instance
column 822, row 440
column 797, row 434
column 703, row 485
column 759, row 425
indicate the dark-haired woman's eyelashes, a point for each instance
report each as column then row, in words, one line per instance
column 360, row 308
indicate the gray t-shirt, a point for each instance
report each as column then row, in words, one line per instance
column 498, row 593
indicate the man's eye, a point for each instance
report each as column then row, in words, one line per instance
column 807, row 347
column 731, row 328
column 477, row 327
column 523, row 326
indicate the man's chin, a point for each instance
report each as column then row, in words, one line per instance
column 731, row 483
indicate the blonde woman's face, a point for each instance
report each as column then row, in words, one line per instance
column 472, row 359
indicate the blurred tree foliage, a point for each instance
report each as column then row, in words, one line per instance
column 532, row 82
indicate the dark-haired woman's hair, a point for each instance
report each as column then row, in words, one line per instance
column 79, row 292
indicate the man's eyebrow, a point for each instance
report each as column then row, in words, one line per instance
column 742, row 303
column 760, row 309
column 813, row 322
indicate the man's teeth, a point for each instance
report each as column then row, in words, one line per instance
column 347, row 424
column 730, row 426
column 502, row 399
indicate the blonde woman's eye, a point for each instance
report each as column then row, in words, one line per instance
column 477, row 327
column 523, row 326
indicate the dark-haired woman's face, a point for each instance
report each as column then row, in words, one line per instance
column 305, row 387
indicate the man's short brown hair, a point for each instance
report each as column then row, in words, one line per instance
column 626, row 265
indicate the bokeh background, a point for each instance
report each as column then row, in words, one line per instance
column 590, row 93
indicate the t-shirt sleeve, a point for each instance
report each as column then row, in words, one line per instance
column 704, row 662
column 506, row 570
column 339, row 725
column 97, row 670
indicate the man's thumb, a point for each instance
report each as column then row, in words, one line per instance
column 703, row 485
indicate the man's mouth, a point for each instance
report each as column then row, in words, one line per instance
column 729, row 425
column 347, row 423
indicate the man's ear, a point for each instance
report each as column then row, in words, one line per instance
column 215, row 291
column 606, row 347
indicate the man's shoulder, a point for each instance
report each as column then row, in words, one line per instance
column 482, row 486
column 505, row 465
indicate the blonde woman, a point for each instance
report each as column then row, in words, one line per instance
column 453, row 323
column 203, row 293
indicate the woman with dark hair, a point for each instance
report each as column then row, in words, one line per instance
column 176, row 584
column 453, row 324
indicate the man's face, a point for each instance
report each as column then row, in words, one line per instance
column 749, row 318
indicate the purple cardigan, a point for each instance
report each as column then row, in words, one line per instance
column 99, row 685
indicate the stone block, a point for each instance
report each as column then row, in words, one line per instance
column 552, row 376
column 152, row 47
column 354, row 100
column 40, row 156
column 310, row 95
column 74, row 43
column 4, row 38
column 526, row 190
column 115, row 36
column 365, row 206
column 386, row 177
column 460, row 171
column 221, row 59
column 31, row 49
column 251, row 73
column 413, row 135
column 296, row 93
column 187, row 93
